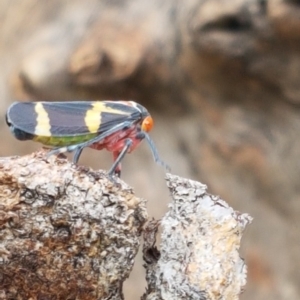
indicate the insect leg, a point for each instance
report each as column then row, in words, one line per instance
column 78, row 147
column 116, row 167
column 58, row 150
column 77, row 155
column 103, row 135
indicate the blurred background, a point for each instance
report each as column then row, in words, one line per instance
column 221, row 79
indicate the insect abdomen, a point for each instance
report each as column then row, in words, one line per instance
column 63, row 141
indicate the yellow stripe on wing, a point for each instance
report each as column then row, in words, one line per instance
column 43, row 127
column 93, row 116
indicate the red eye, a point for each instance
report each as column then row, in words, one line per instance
column 147, row 124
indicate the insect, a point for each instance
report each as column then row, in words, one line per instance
column 118, row 126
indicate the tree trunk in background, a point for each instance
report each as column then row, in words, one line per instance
column 222, row 80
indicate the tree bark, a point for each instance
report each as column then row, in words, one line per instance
column 68, row 232
column 198, row 257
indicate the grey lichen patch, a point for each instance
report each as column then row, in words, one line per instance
column 65, row 232
column 199, row 246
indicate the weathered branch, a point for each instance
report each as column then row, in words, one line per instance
column 198, row 256
column 68, row 232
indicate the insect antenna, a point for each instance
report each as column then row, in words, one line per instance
column 155, row 153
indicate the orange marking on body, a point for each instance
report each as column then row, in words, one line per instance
column 147, row 124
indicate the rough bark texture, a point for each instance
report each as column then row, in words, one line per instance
column 199, row 246
column 221, row 79
column 65, row 232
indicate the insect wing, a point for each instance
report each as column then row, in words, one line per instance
column 61, row 119
column 21, row 116
column 114, row 114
